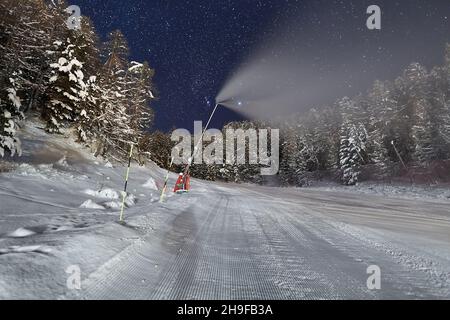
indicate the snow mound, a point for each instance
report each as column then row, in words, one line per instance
column 108, row 165
column 106, row 193
column 21, row 233
column 130, row 201
column 89, row 204
column 25, row 249
column 151, row 184
column 112, row 205
column 63, row 162
column 45, row 171
column 26, row 169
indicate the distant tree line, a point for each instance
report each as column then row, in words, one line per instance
column 71, row 80
column 403, row 123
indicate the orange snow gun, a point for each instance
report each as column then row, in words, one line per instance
column 183, row 183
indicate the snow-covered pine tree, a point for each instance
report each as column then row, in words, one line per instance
column 329, row 131
column 444, row 127
column 352, row 151
column 87, row 52
column 114, row 123
column 29, row 29
column 306, row 159
column 447, row 59
column 402, row 118
column 440, row 82
column 288, row 153
column 67, row 87
column 380, row 102
column 308, row 144
column 140, row 94
column 10, row 114
column 115, row 133
column 157, row 146
column 241, row 172
column 72, row 89
column 87, row 43
column 423, row 134
column 318, row 139
column 205, row 172
column 225, row 173
column 87, row 111
column 302, row 150
column 423, row 131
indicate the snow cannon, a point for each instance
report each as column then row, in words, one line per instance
column 183, row 184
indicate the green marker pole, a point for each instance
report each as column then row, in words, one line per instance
column 124, row 194
column 166, row 180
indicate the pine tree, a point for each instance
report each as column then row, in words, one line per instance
column 329, row 131
column 380, row 102
column 236, row 172
column 440, row 82
column 57, row 72
column 87, row 51
column 114, row 122
column 288, row 162
column 88, row 111
column 352, row 151
column 402, row 117
column 423, row 132
column 10, row 115
column 30, row 28
column 307, row 160
column 67, row 87
column 140, row 93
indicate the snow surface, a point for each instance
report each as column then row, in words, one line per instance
column 220, row 241
column 392, row 190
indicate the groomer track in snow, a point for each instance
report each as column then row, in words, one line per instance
column 235, row 243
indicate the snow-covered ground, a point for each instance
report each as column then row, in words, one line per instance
column 392, row 190
column 58, row 201
column 59, row 208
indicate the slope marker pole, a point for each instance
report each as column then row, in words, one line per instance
column 398, row 155
column 166, row 180
column 124, row 194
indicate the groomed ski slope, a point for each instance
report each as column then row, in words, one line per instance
column 60, row 207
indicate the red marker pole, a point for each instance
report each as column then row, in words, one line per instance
column 124, row 194
column 166, row 180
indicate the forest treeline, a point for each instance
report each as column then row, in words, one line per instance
column 401, row 124
column 70, row 79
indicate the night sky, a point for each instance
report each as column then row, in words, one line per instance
column 194, row 45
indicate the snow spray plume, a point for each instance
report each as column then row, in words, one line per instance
column 270, row 86
column 286, row 76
